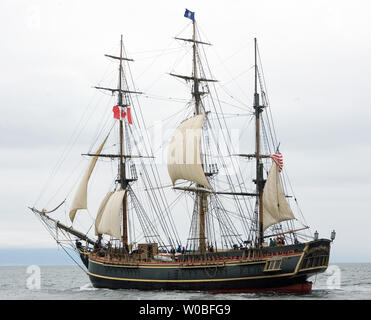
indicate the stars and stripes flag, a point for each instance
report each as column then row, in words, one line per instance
column 120, row 113
column 277, row 158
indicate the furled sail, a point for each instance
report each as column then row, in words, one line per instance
column 110, row 218
column 275, row 206
column 184, row 158
column 81, row 195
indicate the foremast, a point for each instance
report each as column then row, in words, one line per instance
column 112, row 217
column 123, row 180
column 123, row 102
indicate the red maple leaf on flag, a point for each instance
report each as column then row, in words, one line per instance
column 121, row 114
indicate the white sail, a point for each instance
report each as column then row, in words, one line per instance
column 110, row 219
column 100, row 211
column 184, row 154
column 81, row 195
column 275, row 206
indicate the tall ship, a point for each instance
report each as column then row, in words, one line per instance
column 243, row 232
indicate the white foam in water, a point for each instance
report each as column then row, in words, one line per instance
column 87, row 287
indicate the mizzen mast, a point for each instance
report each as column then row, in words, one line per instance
column 259, row 165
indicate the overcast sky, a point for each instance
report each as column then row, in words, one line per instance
column 316, row 59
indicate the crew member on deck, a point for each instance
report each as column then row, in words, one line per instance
column 172, row 252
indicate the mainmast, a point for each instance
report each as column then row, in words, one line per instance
column 201, row 197
column 196, row 93
column 259, row 166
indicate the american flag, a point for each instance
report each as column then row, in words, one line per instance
column 277, row 158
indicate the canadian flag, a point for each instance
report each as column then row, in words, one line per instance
column 119, row 113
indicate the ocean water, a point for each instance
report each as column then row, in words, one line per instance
column 339, row 282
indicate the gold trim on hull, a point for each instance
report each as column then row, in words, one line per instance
column 200, row 266
column 196, row 280
column 187, row 266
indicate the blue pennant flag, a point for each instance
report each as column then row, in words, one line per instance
column 189, row 14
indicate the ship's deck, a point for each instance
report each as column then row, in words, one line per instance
column 222, row 257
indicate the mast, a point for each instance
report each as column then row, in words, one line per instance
column 201, row 205
column 123, row 101
column 195, row 80
column 123, row 180
column 259, row 166
column 200, row 196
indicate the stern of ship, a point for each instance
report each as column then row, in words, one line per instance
column 315, row 257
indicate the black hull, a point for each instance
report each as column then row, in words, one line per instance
column 283, row 284
column 285, row 269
